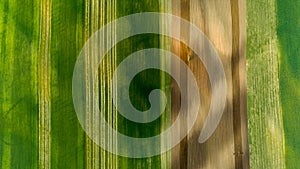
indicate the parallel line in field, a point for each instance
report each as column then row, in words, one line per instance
column 88, row 141
column 44, row 97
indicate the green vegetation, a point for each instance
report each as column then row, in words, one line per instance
column 288, row 15
column 19, row 28
column 40, row 41
column 273, row 93
column 265, row 123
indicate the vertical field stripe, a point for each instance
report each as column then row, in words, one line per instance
column 44, row 85
column 265, row 121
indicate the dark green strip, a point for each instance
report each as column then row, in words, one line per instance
column 67, row 136
column 288, row 15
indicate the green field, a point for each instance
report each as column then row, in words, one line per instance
column 39, row 44
column 288, row 31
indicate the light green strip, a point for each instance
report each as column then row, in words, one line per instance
column 7, row 31
column 266, row 136
column 166, row 43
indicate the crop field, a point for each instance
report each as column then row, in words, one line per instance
column 40, row 41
